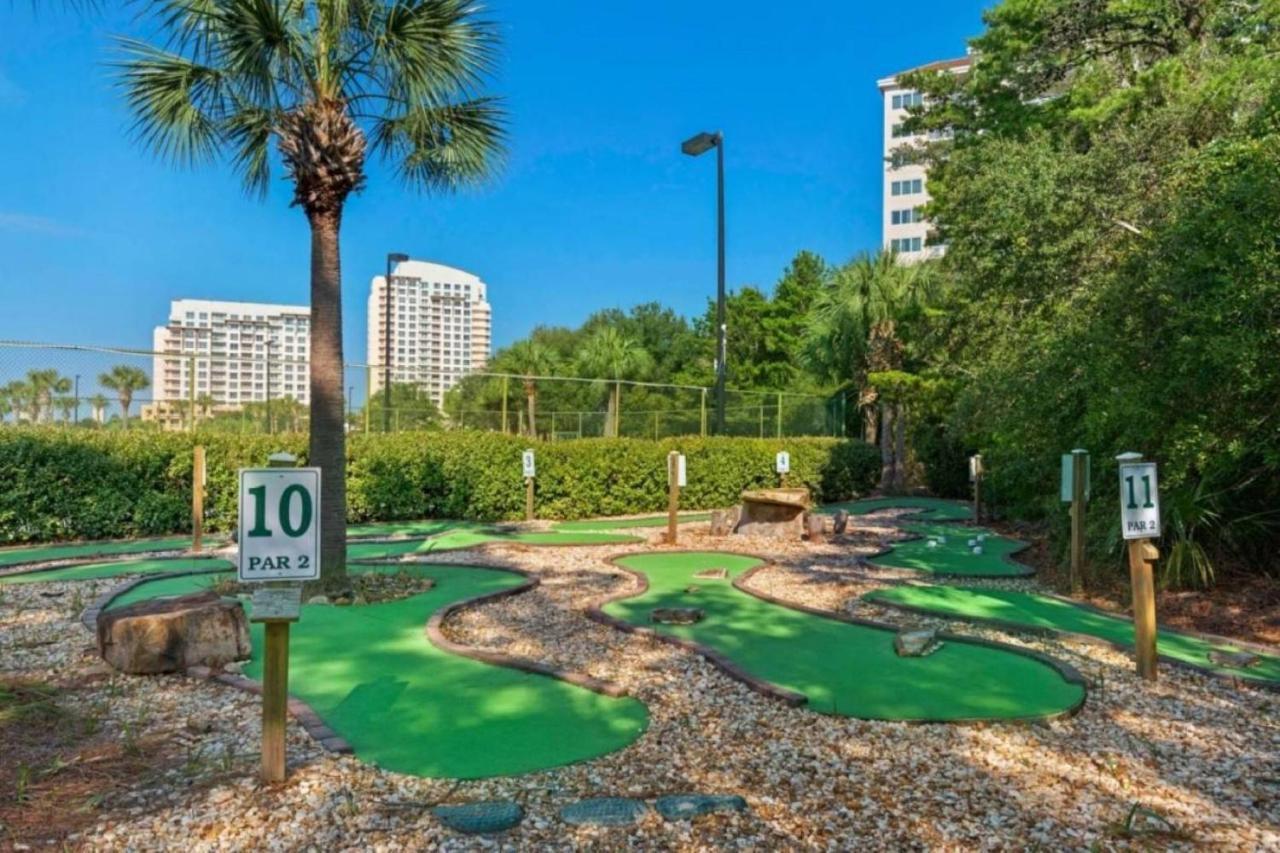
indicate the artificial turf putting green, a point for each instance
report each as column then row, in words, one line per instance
column 457, row 539
column 419, row 527
column 954, row 557
column 82, row 550
column 1027, row 610
column 92, row 571
column 404, row 705
column 934, row 509
column 628, row 523
column 845, row 669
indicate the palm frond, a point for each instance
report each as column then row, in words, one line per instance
column 175, row 101
column 444, row 147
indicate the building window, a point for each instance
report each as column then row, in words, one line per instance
column 907, row 187
column 906, row 244
column 907, row 99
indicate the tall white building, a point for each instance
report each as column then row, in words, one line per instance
column 906, row 184
column 243, row 352
column 440, row 326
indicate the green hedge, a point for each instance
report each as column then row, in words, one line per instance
column 64, row 484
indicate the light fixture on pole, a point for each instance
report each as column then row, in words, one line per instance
column 392, row 259
column 695, row 146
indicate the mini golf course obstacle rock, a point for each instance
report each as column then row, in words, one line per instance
column 677, row 615
column 712, row 574
column 774, row 513
column 480, row 818
column 723, row 521
column 840, row 522
column 172, row 634
column 1239, row 660
column 916, row 644
column 604, row 811
column 688, row 806
column 815, row 527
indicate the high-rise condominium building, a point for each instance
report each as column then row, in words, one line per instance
column 440, row 326
column 905, row 183
column 236, row 353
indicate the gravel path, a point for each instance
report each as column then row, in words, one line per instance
column 1199, row 753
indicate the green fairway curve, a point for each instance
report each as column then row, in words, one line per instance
column 629, row 523
column 89, row 550
column 455, row 540
column 933, row 509
column 372, row 676
column 1021, row 610
column 954, row 557
column 418, row 527
column 842, row 668
column 91, row 571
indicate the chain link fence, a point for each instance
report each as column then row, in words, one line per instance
column 268, row 392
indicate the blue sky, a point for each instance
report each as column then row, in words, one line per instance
column 594, row 208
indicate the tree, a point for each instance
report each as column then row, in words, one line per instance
column 530, row 359
column 411, row 408
column 125, row 380
column 323, row 80
column 608, row 354
column 66, row 407
column 17, row 394
column 42, row 385
column 98, row 405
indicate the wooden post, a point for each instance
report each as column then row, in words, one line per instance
column 779, row 414
column 702, row 430
column 1142, row 554
column 197, row 498
column 504, row 405
column 673, row 495
column 976, row 462
column 1079, row 460
column 275, row 700
column 528, row 499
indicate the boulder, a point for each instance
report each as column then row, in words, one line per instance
column 723, row 521
column 916, row 644
column 172, row 634
column 815, row 526
column 775, row 513
column 841, row 522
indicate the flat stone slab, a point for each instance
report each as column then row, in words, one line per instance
column 480, row 818
column 689, row 806
column 1238, row 660
column 711, row 574
column 677, row 615
column 604, row 811
column 916, row 644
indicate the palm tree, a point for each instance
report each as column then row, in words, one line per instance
column 98, row 403
column 321, row 79
column 205, row 404
column 854, row 332
column 66, row 407
column 42, row 385
column 531, row 359
column 608, row 354
column 6, row 402
column 125, row 379
column 20, row 399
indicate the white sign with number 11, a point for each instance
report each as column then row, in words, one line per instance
column 1139, row 501
column 279, row 531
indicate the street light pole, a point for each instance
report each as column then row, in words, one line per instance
column 695, row 146
column 392, row 258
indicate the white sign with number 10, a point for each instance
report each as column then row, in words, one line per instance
column 1139, row 501
column 279, row 531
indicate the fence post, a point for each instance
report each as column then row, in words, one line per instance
column 504, row 405
column 617, row 410
column 655, row 424
column 779, row 414
column 703, row 429
column 762, row 417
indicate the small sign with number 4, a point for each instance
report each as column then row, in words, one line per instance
column 279, row 530
column 783, row 462
column 1139, row 501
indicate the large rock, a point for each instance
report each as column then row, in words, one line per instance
column 172, row 634
column 723, row 521
column 776, row 513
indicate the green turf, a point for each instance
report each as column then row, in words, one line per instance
column 92, row 571
column 81, row 550
column 933, row 509
column 953, row 557
column 373, row 677
column 471, row 538
column 628, row 523
column 419, row 527
column 844, row 669
column 1045, row 612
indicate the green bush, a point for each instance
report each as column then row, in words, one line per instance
column 60, row 484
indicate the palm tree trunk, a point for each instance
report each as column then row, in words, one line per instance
column 869, row 424
column 328, row 438
column 531, row 398
column 886, row 447
column 610, row 417
column 900, row 449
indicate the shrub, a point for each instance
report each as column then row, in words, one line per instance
column 60, row 484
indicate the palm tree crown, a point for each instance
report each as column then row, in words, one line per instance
column 125, row 380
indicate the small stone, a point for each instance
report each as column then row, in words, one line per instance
column 483, row 817
column 841, row 522
column 318, row 599
column 676, row 615
column 977, row 550
column 604, row 811
column 688, row 806
column 916, row 644
column 1235, row 660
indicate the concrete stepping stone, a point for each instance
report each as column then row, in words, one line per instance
column 604, row 811
column 480, row 818
column 688, row 806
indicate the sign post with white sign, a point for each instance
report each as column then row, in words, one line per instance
column 530, row 467
column 1075, row 489
column 675, row 480
column 1140, row 526
column 782, row 464
column 198, row 479
column 279, row 545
